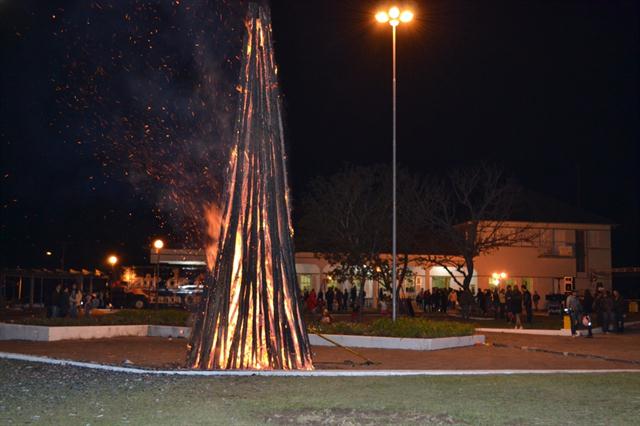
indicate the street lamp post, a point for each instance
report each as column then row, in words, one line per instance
column 394, row 17
column 158, row 245
column 113, row 259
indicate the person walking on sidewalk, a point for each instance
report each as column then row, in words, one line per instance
column 573, row 309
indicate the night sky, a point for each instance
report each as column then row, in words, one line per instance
column 114, row 116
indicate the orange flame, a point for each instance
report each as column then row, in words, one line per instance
column 213, row 216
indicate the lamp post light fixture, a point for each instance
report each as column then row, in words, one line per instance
column 496, row 278
column 113, row 260
column 158, row 245
column 394, row 17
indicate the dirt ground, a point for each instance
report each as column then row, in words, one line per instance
column 503, row 351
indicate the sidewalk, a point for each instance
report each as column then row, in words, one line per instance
column 503, row 352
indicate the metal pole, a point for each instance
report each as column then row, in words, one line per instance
column 393, row 250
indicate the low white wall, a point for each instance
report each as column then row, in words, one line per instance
column 397, row 342
column 96, row 332
column 35, row 333
column 168, row 331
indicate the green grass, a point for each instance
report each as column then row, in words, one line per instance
column 403, row 327
column 102, row 398
column 122, row 317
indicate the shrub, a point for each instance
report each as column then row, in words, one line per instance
column 402, row 327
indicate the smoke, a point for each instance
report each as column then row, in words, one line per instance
column 148, row 88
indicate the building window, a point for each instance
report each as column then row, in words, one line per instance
column 440, row 282
column 304, row 281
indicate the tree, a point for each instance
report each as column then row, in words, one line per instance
column 346, row 220
column 342, row 222
column 467, row 213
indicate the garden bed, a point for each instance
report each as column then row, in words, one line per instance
column 403, row 327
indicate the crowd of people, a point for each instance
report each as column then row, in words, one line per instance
column 507, row 303
column 333, row 300
column 72, row 302
column 609, row 308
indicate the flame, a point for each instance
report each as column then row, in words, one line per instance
column 213, row 216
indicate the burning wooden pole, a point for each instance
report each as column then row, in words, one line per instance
column 250, row 316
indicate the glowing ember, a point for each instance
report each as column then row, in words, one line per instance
column 250, row 317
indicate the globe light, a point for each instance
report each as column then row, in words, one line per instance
column 406, row 16
column 112, row 260
column 158, row 244
column 394, row 12
column 382, row 17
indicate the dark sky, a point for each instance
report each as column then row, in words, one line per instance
column 110, row 111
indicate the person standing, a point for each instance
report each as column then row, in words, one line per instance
column 55, row 301
column 508, row 295
column 353, row 294
column 516, row 306
column 330, row 296
column 536, row 299
column 345, row 299
column 502, row 299
column 63, row 303
column 587, row 310
column 73, row 307
column 618, row 311
column 495, row 298
column 444, row 300
column 573, row 308
column 528, row 304
column 480, row 301
column 607, row 304
column 312, row 301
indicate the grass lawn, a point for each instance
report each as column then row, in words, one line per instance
column 43, row 394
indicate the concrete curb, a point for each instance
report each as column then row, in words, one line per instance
column 412, row 344
column 538, row 332
column 297, row 373
column 49, row 334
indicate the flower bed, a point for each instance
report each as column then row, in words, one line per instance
column 402, row 327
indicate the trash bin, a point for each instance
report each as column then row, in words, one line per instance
column 633, row 306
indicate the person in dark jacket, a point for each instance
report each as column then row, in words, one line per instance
column 55, row 301
column 528, row 304
column 587, row 302
column 345, row 299
column 330, row 295
column 587, row 310
column 618, row 311
column 63, row 303
column 516, row 305
column 536, row 299
column 508, row 294
column 495, row 298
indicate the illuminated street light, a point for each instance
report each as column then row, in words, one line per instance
column 112, row 260
column 48, row 253
column 158, row 244
column 394, row 17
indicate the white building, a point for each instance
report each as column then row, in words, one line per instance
column 581, row 251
